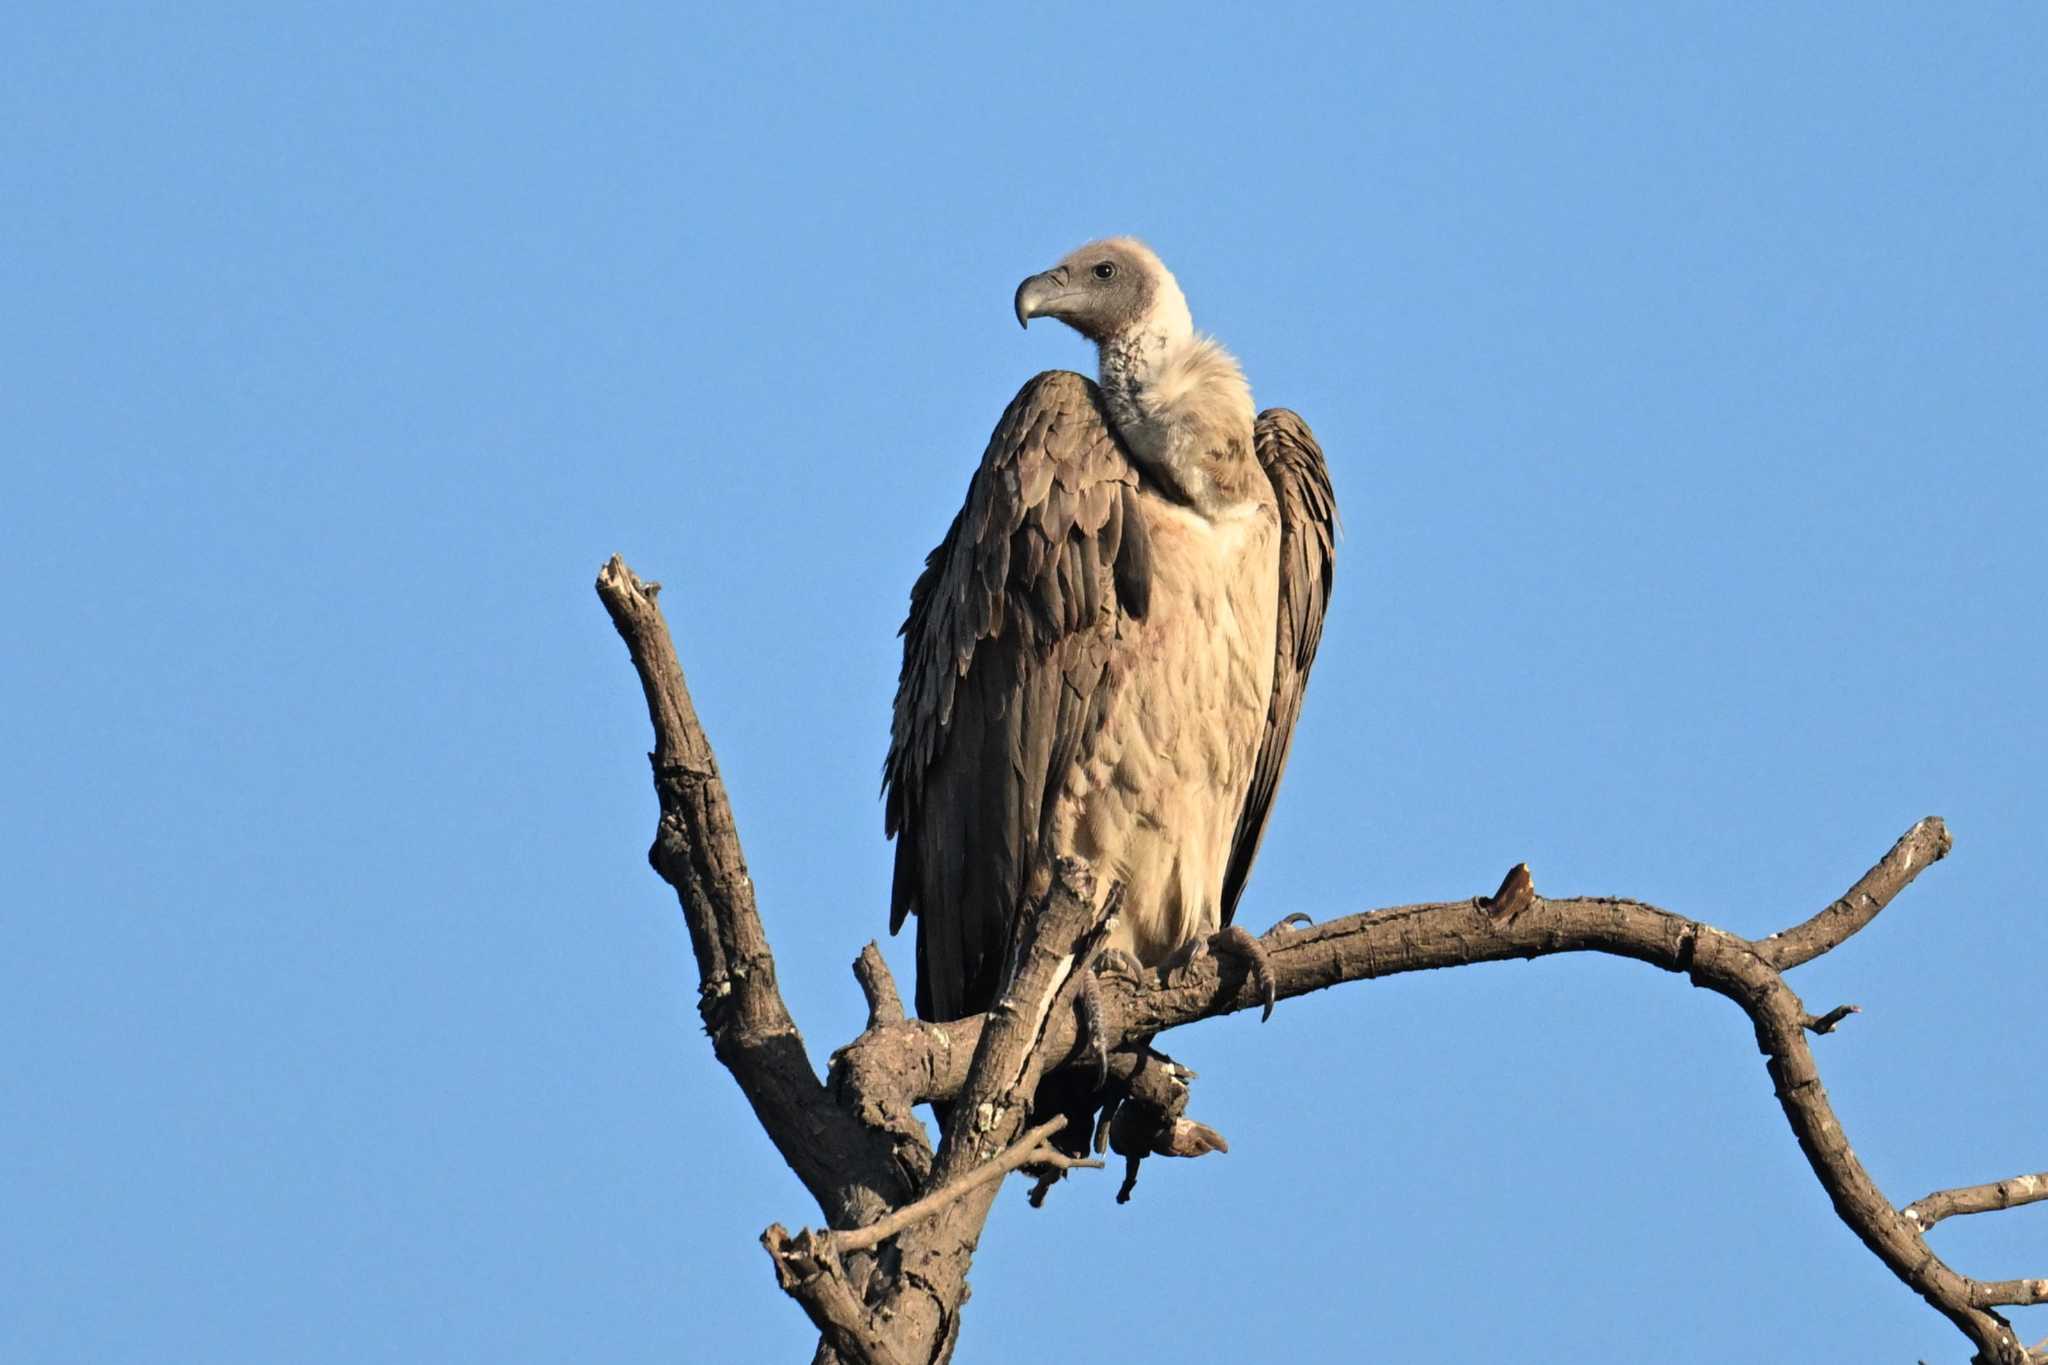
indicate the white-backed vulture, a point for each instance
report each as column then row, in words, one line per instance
column 1105, row 656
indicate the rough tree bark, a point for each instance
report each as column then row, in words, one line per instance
column 885, row 1279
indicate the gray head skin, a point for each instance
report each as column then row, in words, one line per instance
column 1177, row 399
column 1103, row 290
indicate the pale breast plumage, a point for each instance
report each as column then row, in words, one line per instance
column 1154, row 802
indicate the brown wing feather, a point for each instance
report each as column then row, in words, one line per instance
column 1006, row 659
column 1294, row 464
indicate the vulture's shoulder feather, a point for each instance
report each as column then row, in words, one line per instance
column 1293, row 462
column 1007, row 659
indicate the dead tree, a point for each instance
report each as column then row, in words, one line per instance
column 885, row 1278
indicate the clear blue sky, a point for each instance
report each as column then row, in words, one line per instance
column 1682, row 372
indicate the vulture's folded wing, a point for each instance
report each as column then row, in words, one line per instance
column 1006, row 664
column 1308, row 530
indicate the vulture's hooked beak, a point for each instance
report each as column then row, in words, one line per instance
column 1038, row 294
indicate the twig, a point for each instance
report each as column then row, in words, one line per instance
column 1919, row 848
column 1993, row 1293
column 1826, row 1023
column 1029, row 1150
column 1988, row 1198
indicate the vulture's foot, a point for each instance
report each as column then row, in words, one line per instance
column 1117, row 962
column 1238, row 942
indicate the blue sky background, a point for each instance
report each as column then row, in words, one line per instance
column 1681, row 369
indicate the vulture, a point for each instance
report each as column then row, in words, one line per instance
column 1105, row 655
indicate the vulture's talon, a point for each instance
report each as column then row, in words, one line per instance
column 1118, row 963
column 1237, row 941
column 1181, row 960
column 1286, row 921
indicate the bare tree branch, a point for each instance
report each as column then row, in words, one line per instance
column 2000, row 1194
column 885, row 1006
column 807, row 1267
column 1357, row 947
column 848, row 1167
column 1991, row 1293
column 1918, row 848
column 891, row 1292
column 1827, row 1023
column 994, row 1101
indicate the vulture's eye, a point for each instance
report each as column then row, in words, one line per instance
column 1106, row 270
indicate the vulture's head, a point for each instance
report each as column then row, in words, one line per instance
column 1111, row 288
